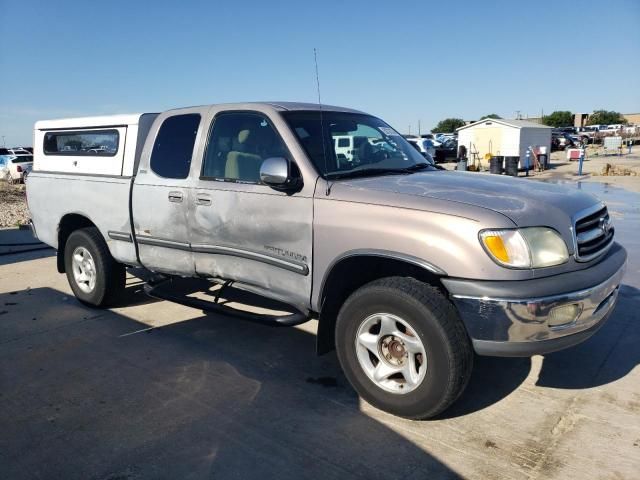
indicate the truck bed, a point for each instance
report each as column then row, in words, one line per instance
column 71, row 177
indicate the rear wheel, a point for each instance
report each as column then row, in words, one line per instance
column 94, row 276
column 403, row 347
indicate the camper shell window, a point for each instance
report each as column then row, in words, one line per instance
column 88, row 143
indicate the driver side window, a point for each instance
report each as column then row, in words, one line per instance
column 238, row 144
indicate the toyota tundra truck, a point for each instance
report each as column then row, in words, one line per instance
column 409, row 270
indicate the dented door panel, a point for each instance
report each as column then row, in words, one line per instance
column 254, row 235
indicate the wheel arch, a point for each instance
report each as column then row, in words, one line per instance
column 357, row 268
column 68, row 224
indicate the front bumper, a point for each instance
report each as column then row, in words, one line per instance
column 520, row 318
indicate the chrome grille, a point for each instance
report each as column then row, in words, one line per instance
column 593, row 234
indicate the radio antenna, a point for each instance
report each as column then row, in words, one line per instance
column 322, row 139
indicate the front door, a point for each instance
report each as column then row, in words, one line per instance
column 162, row 196
column 242, row 229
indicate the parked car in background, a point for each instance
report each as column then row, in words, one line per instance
column 20, row 151
column 612, row 129
column 424, row 145
column 579, row 140
column 443, row 137
column 588, row 133
column 4, row 161
column 26, row 170
column 14, row 163
column 569, row 130
column 561, row 140
column 18, row 167
column 447, row 151
column 431, row 137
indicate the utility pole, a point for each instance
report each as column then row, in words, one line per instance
column 419, row 132
column 409, row 129
column 4, row 144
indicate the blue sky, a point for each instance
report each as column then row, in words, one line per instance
column 403, row 61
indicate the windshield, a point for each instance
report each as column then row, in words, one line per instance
column 353, row 144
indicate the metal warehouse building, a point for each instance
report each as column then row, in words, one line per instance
column 508, row 138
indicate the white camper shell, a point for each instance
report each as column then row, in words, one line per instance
column 104, row 145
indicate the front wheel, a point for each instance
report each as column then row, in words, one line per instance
column 403, row 347
column 94, row 276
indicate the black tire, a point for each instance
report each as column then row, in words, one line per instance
column 110, row 275
column 434, row 319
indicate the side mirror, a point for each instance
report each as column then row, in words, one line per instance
column 275, row 173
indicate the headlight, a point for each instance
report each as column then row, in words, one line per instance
column 533, row 247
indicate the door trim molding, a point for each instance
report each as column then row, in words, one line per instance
column 124, row 236
column 290, row 265
column 162, row 242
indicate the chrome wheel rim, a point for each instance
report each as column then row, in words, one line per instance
column 84, row 269
column 391, row 353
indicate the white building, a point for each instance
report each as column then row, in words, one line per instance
column 507, row 138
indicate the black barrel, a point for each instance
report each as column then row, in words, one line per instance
column 495, row 165
column 544, row 161
column 511, row 165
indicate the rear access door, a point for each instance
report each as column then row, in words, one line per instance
column 162, row 192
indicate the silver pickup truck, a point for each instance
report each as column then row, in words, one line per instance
column 408, row 269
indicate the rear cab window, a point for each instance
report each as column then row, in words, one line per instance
column 174, row 144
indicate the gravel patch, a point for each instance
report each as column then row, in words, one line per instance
column 13, row 205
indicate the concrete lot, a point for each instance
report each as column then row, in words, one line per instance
column 92, row 394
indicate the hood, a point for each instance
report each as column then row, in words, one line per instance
column 525, row 202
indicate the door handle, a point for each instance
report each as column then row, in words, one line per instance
column 175, row 197
column 203, row 199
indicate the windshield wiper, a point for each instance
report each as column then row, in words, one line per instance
column 417, row 167
column 367, row 172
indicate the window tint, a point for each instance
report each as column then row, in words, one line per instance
column 84, row 143
column 238, row 144
column 173, row 148
column 343, row 142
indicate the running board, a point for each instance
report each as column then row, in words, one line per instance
column 153, row 289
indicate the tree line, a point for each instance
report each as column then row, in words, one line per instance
column 559, row 118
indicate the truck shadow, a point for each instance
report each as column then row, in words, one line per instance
column 24, row 254
column 492, row 380
column 212, row 397
column 606, row 357
column 133, row 294
column 19, row 245
column 217, row 396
